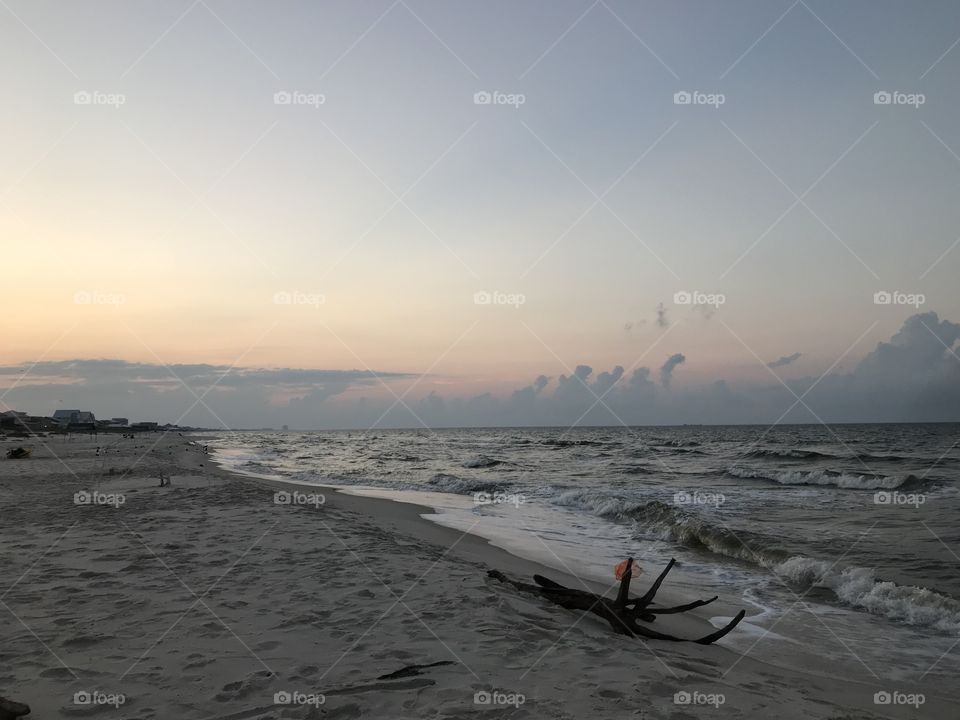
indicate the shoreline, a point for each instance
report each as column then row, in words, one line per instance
column 478, row 549
column 206, row 598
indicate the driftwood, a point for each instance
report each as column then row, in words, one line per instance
column 623, row 614
column 10, row 710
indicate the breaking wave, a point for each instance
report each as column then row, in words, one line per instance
column 456, row 484
column 852, row 586
column 859, row 588
column 482, row 461
column 668, row 522
column 824, row 477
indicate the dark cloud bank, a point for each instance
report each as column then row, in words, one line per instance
column 913, row 377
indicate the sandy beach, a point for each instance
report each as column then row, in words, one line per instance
column 208, row 599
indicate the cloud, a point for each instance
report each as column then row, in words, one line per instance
column 528, row 394
column 912, row 377
column 666, row 371
column 785, row 360
column 199, row 394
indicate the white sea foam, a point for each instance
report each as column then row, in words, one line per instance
column 823, row 477
column 859, row 587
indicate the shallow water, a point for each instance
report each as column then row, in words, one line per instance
column 839, row 535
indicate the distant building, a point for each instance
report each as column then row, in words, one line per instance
column 144, row 426
column 69, row 417
column 12, row 420
column 76, row 421
column 36, row 423
column 20, row 423
column 119, row 421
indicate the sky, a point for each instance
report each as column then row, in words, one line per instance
column 421, row 212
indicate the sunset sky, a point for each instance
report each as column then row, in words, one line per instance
column 161, row 204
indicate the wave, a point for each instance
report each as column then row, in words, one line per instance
column 793, row 453
column 859, row 588
column 668, row 522
column 825, row 477
column 482, row 461
column 788, row 453
column 666, row 442
column 396, row 457
column 880, row 458
column 575, row 443
column 853, row 586
column 637, row 470
column 457, row 484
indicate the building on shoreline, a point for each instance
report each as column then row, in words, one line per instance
column 20, row 424
column 76, row 421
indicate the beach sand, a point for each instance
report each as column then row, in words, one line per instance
column 207, row 599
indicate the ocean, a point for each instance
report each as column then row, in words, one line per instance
column 841, row 542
